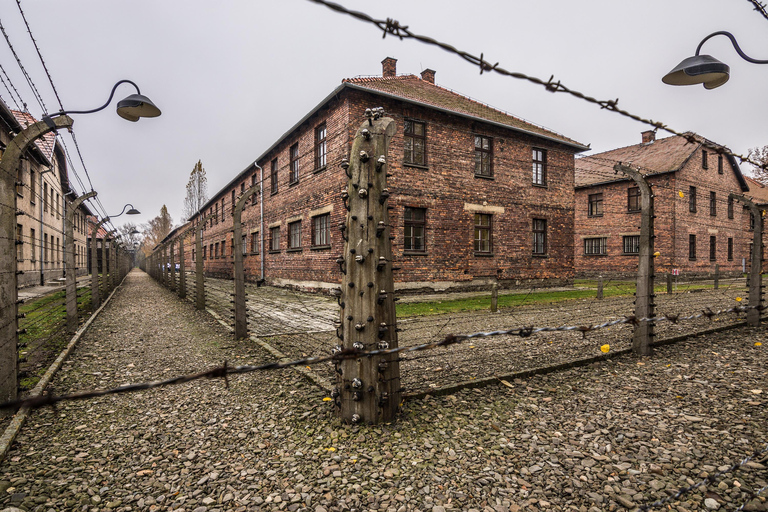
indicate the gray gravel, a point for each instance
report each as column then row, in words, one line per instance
column 609, row 436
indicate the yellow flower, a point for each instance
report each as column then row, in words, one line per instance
column 758, row 344
column 605, row 348
column 681, row 194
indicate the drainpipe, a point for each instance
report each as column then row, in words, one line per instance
column 261, row 227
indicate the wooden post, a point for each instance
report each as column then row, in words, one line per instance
column 599, row 287
column 756, row 265
column 494, row 297
column 182, row 269
column 644, row 294
column 368, row 388
column 69, row 255
column 717, row 276
column 241, row 319
column 199, row 278
column 9, row 337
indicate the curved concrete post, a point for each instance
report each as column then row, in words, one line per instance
column 69, row 255
column 241, row 320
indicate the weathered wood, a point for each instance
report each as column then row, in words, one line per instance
column 368, row 388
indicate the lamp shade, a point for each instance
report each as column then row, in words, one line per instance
column 133, row 211
column 136, row 106
column 700, row 69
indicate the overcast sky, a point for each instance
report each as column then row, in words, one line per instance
column 232, row 76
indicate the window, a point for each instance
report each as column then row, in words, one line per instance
column 539, row 167
column 712, row 248
column 231, row 248
column 233, row 202
column 321, row 230
column 321, row 147
column 216, row 250
column 32, row 184
column 193, row 255
column 19, row 243
column 483, row 156
column 482, row 233
column 33, row 256
column 631, row 244
column 223, row 209
column 692, row 199
column 730, row 249
column 294, row 166
column 210, row 251
column 216, row 213
column 242, row 188
column 45, row 248
column 719, row 164
column 244, row 247
column 57, row 205
column 730, row 207
column 713, row 204
column 751, row 221
column 255, row 196
column 414, row 142
column 633, row 199
column 595, row 205
column 20, row 178
column 274, row 239
column 539, row 236
column 595, row 246
column 414, row 228
column 294, row 235
column 704, row 164
column 58, row 250
column 691, row 247
column 45, row 197
column 273, row 177
column 203, row 252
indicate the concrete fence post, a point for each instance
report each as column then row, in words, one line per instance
column 164, row 258
column 644, row 294
column 599, row 287
column 241, row 319
column 368, row 388
column 182, row 268
column 69, row 256
column 172, row 267
column 717, row 276
column 756, row 263
column 9, row 336
column 494, row 297
column 669, row 283
column 199, row 269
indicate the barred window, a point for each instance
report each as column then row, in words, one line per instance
column 631, row 244
column 294, row 166
column 692, row 199
column 321, row 230
column 713, row 204
column 539, row 236
column 633, row 199
column 414, row 227
column 273, row 176
column 274, row 239
column 691, row 247
column 712, row 248
column 730, row 249
column 255, row 242
column 595, row 246
column 294, row 235
column 321, row 146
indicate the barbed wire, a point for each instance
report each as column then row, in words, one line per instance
column 340, row 354
column 759, row 7
column 391, row 26
column 709, row 480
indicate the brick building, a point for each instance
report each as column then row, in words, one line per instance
column 477, row 195
column 40, row 181
column 697, row 226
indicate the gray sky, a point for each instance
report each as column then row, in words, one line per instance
column 232, row 76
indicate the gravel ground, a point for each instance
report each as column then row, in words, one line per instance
column 609, row 436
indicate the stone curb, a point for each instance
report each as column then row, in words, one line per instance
column 6, row 440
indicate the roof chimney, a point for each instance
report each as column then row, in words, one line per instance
column 389, row 67
column 649, row 136
column 428, row 75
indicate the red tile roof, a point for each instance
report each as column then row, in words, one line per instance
column 758, row 191
column 46, row 143
column 661, row 156
column 415, row 89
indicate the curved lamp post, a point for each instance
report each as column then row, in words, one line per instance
column 95, row 298
column 705, row 69
column 131, row 108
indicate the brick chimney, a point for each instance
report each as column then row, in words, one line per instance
column 649, row 136
column 428, row 75
column 389, row 67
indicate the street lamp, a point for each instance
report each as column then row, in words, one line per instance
column 131, row 108
column 705, row 69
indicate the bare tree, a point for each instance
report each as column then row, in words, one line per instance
column 156, row 229
column 197, row 191
column 760, row 155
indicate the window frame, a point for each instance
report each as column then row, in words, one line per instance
column 730, row 207
column 293, row 166
column 479, row 241
column 294, row 239
column 274, row 186
column 692, row 199
column 539, row 167
column 321, row 235
column 274, row 241
column 634, row 200
column 596, row 246
column 410, row 139
column 704, row 159
column 712, row 248
column 712, row 203
column 719, row 163
column 321, row 146
column 595, row 205
column 539, row 236
column 632, row 242
column 483, row 156
column 255, row 242
column 691, row 247
column 409, row 225
column 730, row 249
column 255, row 195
